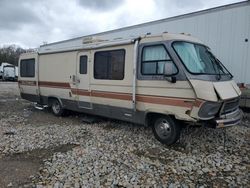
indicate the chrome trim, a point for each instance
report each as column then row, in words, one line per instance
column 236, row 99
column 230, row 119
column 228, row 115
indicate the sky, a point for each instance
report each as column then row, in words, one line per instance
column 30, row 23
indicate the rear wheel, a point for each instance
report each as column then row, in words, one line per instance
column 166, row 130
column 57, row 108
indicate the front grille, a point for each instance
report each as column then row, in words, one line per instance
column 230, row 105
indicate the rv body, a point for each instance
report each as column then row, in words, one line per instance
column 1, row 68
column 149, row 80
column 9, row 73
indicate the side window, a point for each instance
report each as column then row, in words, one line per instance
column 153, row 60
column 109, row 65
column 83, row 64
column 27, row 68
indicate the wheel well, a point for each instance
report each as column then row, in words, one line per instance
column 151, row 116
column 50, row 99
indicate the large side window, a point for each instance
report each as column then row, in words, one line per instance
column 83, row 64
column 153, row 60
column 27, row 68
column 109, row 65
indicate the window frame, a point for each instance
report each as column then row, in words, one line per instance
column 141, row 60
column 123, row 59
column 86, row 71
column 34, row 74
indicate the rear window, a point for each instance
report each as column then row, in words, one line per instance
column 27, row 68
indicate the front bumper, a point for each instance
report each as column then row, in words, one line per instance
column 227, row 120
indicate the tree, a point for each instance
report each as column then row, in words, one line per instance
column 11, row 53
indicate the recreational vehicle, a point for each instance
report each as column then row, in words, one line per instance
column 155, row 80
column 9, row 73
column 1, row 68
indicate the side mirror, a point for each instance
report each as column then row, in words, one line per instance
column 170, row 71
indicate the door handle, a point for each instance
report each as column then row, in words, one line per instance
column 73, row 79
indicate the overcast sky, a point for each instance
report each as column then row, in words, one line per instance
column 29, row 23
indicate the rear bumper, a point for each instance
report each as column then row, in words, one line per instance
column 227, row 120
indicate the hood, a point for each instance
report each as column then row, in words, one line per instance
column 209, row 91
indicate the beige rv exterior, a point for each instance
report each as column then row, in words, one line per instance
column 134, row 98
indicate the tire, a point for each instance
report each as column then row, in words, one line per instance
column 166, row 130
column 57, row 108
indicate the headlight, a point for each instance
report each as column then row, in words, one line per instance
column 209, row 109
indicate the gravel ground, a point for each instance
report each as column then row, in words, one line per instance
column 40, row 150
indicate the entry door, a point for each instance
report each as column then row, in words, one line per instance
column 82, row 80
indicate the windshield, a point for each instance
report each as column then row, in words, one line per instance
column 198, row 59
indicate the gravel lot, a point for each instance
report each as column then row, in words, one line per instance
column 40, row 150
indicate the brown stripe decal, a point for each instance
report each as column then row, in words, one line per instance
column 162, row 100
column 54, row 84
column 80, row 92
column 27, row 83
column 141, row 98
column 198, row 102
column 112, row 95
column 145, row 98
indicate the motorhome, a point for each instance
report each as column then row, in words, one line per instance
column 155, row 80
column 9, row 73
column 1, row 68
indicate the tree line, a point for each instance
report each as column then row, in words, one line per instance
column 10, row 54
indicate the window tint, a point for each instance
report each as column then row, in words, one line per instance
column 83, row 64
column 153, row 60
column 109, row 65
column 27, row 68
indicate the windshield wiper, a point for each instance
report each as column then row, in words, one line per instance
column 223, row 67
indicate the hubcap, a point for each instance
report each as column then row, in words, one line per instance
column 56, row 107
column 163, row 128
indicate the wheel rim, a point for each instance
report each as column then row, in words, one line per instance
column 163, row 128
column 56, row 107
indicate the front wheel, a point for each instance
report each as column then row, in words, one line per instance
column 57, row 108
column 166, row 130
